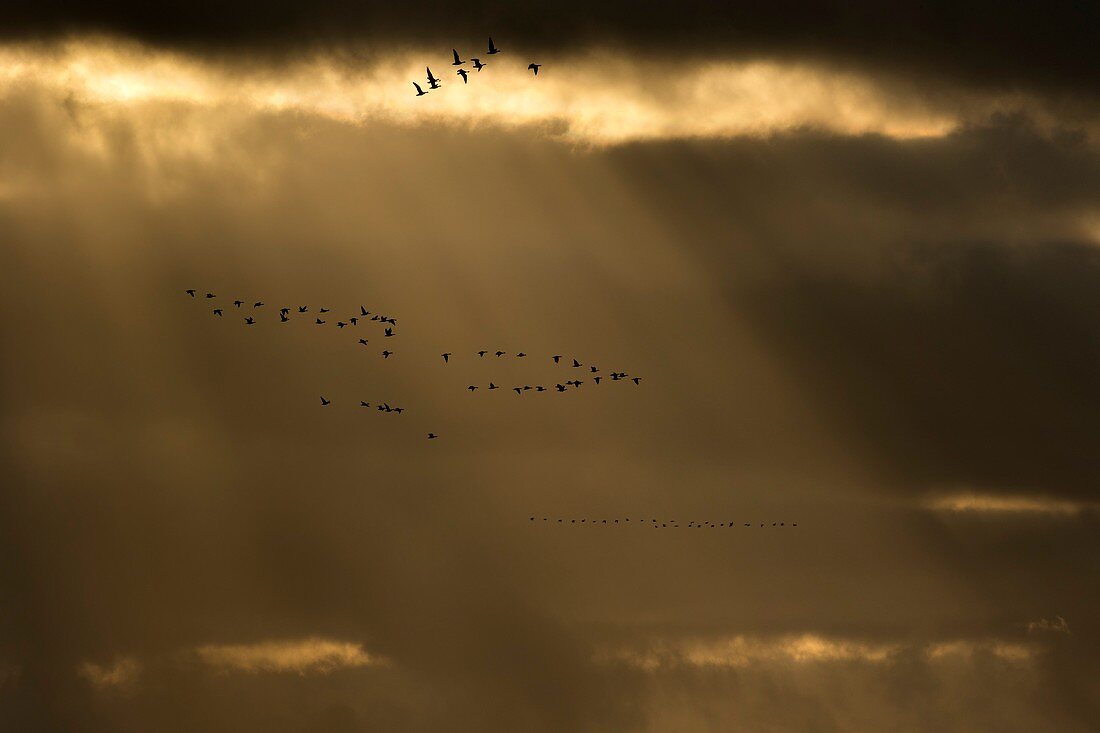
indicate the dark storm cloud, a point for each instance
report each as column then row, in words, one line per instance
column 999, row 44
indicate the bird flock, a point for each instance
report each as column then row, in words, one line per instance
column 322, row 317
column 592, row 370
column 476, row 63
column 290, row 313
column 659, row 523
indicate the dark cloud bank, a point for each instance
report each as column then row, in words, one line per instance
column 1049, row 44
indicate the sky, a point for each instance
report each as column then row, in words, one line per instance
column 852, row 251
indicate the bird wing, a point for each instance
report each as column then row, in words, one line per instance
column 455, row 52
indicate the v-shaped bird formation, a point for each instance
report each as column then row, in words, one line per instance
column 357, row 320
column 476, row 63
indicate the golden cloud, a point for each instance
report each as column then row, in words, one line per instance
column 303, row 656
column 591, row 98
column 991, row 503
column 741, row 651
column 122, row 675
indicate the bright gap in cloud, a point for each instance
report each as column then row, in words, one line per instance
column 591, row 98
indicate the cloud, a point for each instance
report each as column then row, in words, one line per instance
column 979, row 42
column 598, row 97
column 122, row 675
column 228, row 508
column 741, row 651
column 1057, row 626
column 967, row 648
column 1010, row 504
column 312, row 655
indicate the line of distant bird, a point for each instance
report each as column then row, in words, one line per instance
column 575, row 383
column 434, row 82
column 382, row 406
column 592, row 369
column 659, row 523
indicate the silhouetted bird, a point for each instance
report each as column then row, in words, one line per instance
column 363, row 311
column 325, row 402
column 432, row 436
column 433, row 83
column 211, row 295
column 576, row 364
column 518, row 390
column 521, row 355
column 238, row 303
column 399, row 410
column 492, row 386
column 540, row 388
column 482, row 353
column 477, row 64
column 534, row 68
column 354, row 321
column 465, row 75
column 363, row 341
column 386, row 354
column 457, row 61
column 636, row 380
column 303, row 308
column 324, row 310
column 596, row 379
column 249, row 322
column 472, row 387
column 526, row 387
column 389, row 331
column 375, row 317
column 340, row 324
column 492, row 49
column 446, row 357
column 419, row 92
column 284, row 311
column 500, row 353
column 561, row 387
column 217, row 311
column 594, row 369
column 190, row 292
column 283, row 318
column 556, row 358
column 257, row 304
column 319, row 322
column 364, row 404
